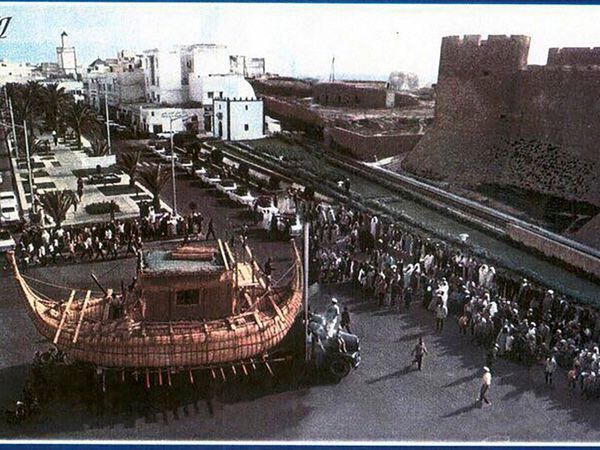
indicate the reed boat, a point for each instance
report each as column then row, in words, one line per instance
column 191, row 307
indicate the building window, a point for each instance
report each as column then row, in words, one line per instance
column 158, row 98
column 221, row 94
column 152, row 113
column 188, row 297
column 246, row 107
column 246, row 127
column 210, row 94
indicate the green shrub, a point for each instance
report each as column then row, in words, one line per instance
column 101, row 208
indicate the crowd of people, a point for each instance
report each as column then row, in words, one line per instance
column 106, row 240
column 506, row 315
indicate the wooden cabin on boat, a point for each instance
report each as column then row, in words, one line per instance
column 189, row 283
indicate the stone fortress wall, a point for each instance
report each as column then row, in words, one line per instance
column 499, row 120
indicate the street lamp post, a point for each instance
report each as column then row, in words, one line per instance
column 14, row 130
column 173, row 166
column 306, row 230
column 29, row 174
column 172, row 116
column 107, row 117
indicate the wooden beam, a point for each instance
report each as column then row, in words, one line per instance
column 85, row 303
column 106, row 311
column 223, row 255
column 223, row 374
column 229, row 253
column 276, row 307
column 258, row 321
column 269, row 367
column 248, row 299
column 64, row 317
column 233, row 370
column 244, row 369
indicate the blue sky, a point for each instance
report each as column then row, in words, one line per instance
column 295, row 39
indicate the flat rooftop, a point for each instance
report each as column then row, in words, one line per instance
column 187, row 260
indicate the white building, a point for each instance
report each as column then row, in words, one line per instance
column 175, row 76
column 247, row 66
column 155, row 119
column 238, row 119
column 119, row 79
column 66, row 57
column 14, row 72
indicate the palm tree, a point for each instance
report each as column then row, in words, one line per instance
column 57, row 203
column 155, row 178
column 26, row 105
column 99, row 147
column 129, row 163
column 55, row 100
column 81, row 117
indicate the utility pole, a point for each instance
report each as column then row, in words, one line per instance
column 173, row 115
column 14, row 129
column 28, row 162
column 305, row 288
column 174, row 185
column 107, row 117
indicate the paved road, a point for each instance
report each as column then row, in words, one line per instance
column 383, row 399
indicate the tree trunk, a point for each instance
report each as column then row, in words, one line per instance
column 156, row 203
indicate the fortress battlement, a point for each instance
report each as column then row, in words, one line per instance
column 475, row 40
column 574, row 56
column 567, row 69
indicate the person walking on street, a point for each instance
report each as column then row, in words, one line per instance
column 419, row 351
column 345, row 321
column 55, row 137
column 549, row 369
column 79, row 188
column 441, row 312
column 210, row 230
column 486, row 382
column 491, row 356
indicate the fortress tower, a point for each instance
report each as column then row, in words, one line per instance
column 502, row 122
column 476, row 79
column 65, row 55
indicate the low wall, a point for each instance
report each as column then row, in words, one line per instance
column 91, row 162
column 370, row 146
column 282, row 109
column 573, row 257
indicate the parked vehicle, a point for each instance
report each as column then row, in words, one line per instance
column 184, row 164
column 243, row 196
column 9, row 209
column 6, row 241
column 168, row 156
column 226, row 186
column 9, row 215
column 200, row 171
column 8, row 199
column 340, row 350
column 165, row 134
column 211, row 178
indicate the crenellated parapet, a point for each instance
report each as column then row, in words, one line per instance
column 471, row 55
column 574, row 56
